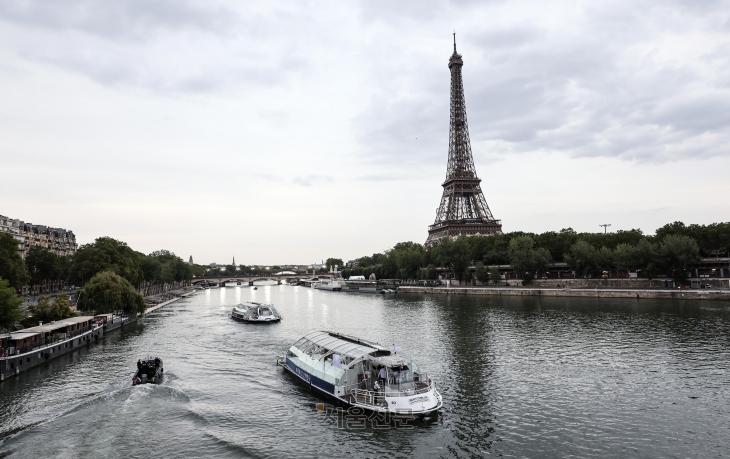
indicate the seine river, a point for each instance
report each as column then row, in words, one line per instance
column 521, row 377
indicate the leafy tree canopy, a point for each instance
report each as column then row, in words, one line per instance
column 105, row 254
column 45, row 311
column 42, row 264
column 12, row 268
column 11, row 310
column 108, row 292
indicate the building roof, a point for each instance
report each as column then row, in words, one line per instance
column 21, row 335
column 58, row 324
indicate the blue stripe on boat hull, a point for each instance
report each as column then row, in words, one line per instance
column 310, row 379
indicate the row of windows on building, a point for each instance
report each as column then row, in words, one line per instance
column 60, row 241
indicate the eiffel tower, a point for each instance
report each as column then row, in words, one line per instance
column 463, row 208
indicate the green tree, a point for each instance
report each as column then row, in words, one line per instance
column 453, row 253
column 678, row 254
column 557, row 243
column 45, row 311
column 429, row 272
column 466, row 275
column 646, row 258
column 582, row 258
column 409, row 257
column 604, row 259
column 108, row 292
column 42, row 265
column 525, row 259
column 332, row 262
column 624, row 256
column 494, row 275
column 151, row 268
column 12, row 268
column 480, row 272
column 106, row 254
column 11, row 310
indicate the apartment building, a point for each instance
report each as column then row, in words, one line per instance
column 60, row 241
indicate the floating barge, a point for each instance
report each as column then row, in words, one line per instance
column 27, row 348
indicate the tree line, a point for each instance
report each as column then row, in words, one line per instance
column 671, row 251
column 109, row 270
column 104, row 254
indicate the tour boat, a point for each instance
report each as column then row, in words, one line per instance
column 328, row 284
column 360, row 286
column 361, row 373
column 149, row 370
column 255, row 312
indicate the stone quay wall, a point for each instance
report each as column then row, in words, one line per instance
column 683, row 294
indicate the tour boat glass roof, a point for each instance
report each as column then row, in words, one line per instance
column 335, row 345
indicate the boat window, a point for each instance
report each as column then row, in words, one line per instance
column 305, row 345
column 299, row 343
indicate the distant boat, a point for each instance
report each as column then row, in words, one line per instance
column 360, row 286
column 328, row 284
column 255, row 312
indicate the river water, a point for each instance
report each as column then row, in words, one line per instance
column 520, row 377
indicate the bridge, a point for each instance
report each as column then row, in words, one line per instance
column 220, row 280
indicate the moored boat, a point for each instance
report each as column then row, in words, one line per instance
column 363, row 286
column 361, row 373
column 328, row 284
column 255, row 312
column 149, row 371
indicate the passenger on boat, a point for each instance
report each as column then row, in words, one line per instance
column 382, row 374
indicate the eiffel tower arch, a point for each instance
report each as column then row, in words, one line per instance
column 463, row 208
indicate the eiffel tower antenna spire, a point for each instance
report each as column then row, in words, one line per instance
column 463, row 208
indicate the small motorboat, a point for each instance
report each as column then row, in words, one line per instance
column 149, row 371
column 255, row 312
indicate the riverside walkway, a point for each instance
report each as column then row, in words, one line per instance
column 165, row 303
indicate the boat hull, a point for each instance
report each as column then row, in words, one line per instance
column 328, row 288
column 392, row 408
column 255, row 321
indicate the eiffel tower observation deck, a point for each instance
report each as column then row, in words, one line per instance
column 463, row 208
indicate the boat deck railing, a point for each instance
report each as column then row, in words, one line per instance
column 363, row 395
column 367, row 397
column 53, row 339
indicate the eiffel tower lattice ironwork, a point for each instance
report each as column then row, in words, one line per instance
column 463, row 208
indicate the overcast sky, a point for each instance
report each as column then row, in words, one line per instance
column 289, row 132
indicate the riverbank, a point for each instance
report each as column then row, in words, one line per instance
column 165, row 303
column 722, row 295
column 57, row 341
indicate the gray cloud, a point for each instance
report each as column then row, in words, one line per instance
column 165, row 46
column 648, row 83
column 132, row 19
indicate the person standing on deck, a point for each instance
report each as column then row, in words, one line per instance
column 383, row 375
